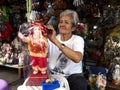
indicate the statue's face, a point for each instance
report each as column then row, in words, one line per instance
column 36, row 30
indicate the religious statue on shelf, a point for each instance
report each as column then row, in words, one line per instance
column 37, row 45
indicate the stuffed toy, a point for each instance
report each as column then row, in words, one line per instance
column 37, row 45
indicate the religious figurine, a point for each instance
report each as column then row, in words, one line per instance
column 37, row 45
column 116, row 75
column 101, row 81
column 21, row 59
column 7, row 55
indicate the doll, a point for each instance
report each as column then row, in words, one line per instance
column 37, row 45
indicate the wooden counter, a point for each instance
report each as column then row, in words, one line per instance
column 20, row 68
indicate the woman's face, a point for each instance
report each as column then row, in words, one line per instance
column 65, row 25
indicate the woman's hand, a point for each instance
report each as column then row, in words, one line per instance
column 51, row 33
column 20, row 35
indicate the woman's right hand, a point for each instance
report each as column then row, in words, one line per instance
column 51, row 33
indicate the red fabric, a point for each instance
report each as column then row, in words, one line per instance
column 6, row 33
column 9, row 27
column 38, row 48
column 39, row 61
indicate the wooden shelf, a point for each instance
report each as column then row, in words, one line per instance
column 16, row 66
column 111, row 86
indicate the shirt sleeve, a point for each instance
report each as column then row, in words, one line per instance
column 78, row 44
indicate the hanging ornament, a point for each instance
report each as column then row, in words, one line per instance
column 80, row 26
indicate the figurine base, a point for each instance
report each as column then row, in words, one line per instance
column 36, row 79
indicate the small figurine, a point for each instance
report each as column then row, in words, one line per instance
column 7, row 53
column 116, row 75
column 101, row 81
column 21, row 59
column 37, row 45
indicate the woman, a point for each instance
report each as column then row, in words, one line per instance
column 66, row 51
